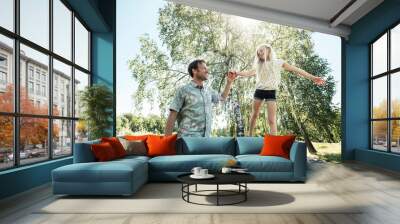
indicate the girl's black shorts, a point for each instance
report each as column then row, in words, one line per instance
column 267, row 95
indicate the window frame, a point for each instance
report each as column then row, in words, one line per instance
column 388, row 74
column 16, row 114
column 3, row 70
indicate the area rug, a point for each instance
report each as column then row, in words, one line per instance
column 167, row 198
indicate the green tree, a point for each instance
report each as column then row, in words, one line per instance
column 97, row 102
column 130, row 124
column 187, row 33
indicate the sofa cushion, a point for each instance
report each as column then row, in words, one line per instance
column 134, row 147
column 83, row 152
column 201, row 145
column 134, row 157
column 185, row 163
column 161, row 145
column 257, row 163
column 277, row 145
column 136, row 137
column 103, row 152
column 112, row 171
column 249, row 145
column 116, row 145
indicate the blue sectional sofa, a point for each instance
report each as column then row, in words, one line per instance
column 125, row 176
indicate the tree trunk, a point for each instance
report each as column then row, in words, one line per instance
column 307, row 140
column 299, row 124
column 329, row 132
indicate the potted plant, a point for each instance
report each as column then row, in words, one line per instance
column 96, row 103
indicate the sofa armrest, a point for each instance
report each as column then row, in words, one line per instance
column 298, row 155
column 83, row 152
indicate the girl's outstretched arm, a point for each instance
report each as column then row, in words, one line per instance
column 245, row 73
column 300, row 72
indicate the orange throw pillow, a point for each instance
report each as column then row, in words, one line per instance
column 276, row 145
column 136, row 137
column 103, row 152
column 116, row 145
column 161, row 145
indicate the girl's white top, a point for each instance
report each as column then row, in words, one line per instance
column 268, row 74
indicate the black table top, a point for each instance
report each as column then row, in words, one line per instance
column 220, row 178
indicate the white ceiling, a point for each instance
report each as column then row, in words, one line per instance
column 314, row 15
column 321, row 9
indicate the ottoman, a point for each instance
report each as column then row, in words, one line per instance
column 119, row 177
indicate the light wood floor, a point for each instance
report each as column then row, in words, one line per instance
column 377, row 188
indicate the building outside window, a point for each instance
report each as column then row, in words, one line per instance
column 30, row 87
column 30, row 72
column 44, row 77
column 3, row 61
column 37, row 74
column 37, row 90
column 44, row 91
column 34, row 75
column 3, row 78
column 3, row 72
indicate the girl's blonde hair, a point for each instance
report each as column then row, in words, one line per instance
column 259, row 64
column 270, row 55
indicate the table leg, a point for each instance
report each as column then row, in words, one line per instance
column 196, row 187
column 217, row 194
column 188, row 190
column 182, row 189
column 245, row 193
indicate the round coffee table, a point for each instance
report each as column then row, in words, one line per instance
column 238, row 179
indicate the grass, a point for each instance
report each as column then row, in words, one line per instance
column 328, row 152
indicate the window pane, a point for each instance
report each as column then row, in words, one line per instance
column 6, row 74
column 81, row 131
column 34, row 72
column 33, row 139
column 62, row 138
column 7, row 14
column 62, row 29
column 379, row 97
column 379, row 135
column 35, row 21
column 379, row 55
column 395, row 136
column 395, row 47
column 62, row 89
column 395, row 95
column 81, row 81
column 81, row 45
column 6, row 142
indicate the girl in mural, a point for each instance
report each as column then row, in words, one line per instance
column 267, row 70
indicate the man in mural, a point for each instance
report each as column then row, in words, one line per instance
column 192, row 104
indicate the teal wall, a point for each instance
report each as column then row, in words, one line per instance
column 380, row 159
column 24, row 178
column 102, row 64
column 99, row 16
column 102, row 55
column 355, row 85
